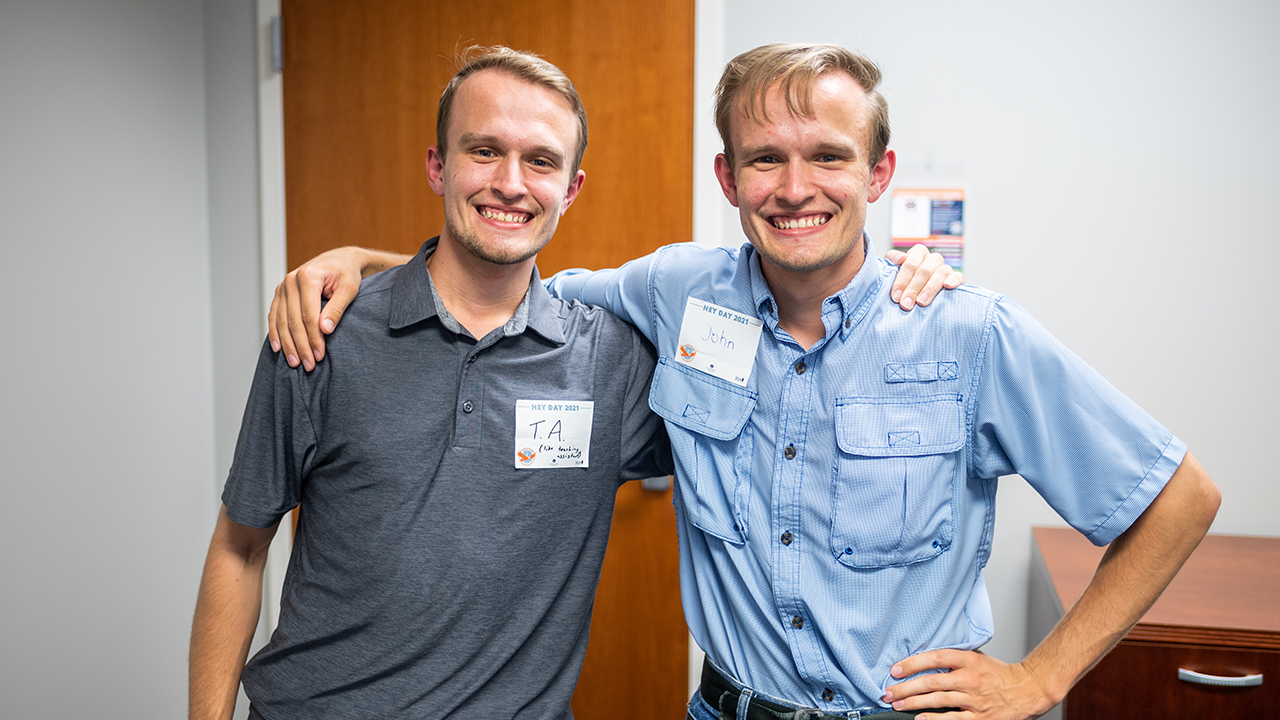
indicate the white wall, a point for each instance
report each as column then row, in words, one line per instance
column 1120, row 162
column 110, row 180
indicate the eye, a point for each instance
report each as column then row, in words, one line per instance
column 765, row 160
column 484, row 153
column 541, row 162
column 829, row 158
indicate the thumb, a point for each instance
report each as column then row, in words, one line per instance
column 335, row 308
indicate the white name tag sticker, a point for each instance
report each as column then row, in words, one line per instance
column 718, row 341
column 553, row 433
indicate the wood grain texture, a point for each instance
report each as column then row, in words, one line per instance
column 362, row 80
column 1227, row 593
column 1140, row 680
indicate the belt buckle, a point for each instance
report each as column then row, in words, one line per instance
column 816, row 714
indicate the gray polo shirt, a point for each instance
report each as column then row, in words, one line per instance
column 431, row 576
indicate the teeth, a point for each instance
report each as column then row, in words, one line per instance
column 504, row 217
column 802, row 223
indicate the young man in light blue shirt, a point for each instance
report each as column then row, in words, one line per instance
column 837, row 458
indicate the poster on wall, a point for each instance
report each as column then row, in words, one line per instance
column 933, row 217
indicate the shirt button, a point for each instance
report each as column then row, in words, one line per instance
column 848, row 323
column 800, row 368
column 797, row 622
column 786, row 538
column 790, row 452
column 467, row 407
column 827, row 694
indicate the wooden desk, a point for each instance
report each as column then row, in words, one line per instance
column 1220, row 616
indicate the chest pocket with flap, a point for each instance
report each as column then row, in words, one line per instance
column 707, row 421
column 892, row 491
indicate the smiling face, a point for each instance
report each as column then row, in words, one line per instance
column 802, row 184
column 508, row 174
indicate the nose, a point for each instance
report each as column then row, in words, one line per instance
column 508, row 179
column 795, row 183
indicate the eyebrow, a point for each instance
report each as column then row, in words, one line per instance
column 474, row 139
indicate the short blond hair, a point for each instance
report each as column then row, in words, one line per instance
column 523, row 65
column 796, row 66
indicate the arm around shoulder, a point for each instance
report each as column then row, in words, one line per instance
column 296, row 325
column 226, row 615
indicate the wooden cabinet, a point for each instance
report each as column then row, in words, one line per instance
column 1220, row 617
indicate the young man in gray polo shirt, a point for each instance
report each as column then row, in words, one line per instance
column 455, row 465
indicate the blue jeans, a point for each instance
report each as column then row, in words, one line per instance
column 700, row 710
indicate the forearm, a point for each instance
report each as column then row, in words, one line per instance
column 227, row 609
column 375, row 261
column 1136, row 568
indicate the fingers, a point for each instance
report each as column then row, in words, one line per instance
column 278, row 326
column 293, row 326
column 934, row 284
column 309, row 288
column 929, row 692
column 272, row 334
column 919, row 266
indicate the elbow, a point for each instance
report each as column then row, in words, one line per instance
column 1211, row 500
column 1205, row 494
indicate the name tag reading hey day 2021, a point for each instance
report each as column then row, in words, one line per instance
column 718, row 341
column 553, row 433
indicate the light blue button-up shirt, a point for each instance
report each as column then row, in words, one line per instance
column 835, row 513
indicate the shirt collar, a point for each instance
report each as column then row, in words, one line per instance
column 414, row 299
column 846, row 307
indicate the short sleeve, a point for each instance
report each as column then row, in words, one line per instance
column 646, row 449
column 276, row 443
column 1096, row 457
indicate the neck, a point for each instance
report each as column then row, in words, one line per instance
column 799, row 294
column 480, row 295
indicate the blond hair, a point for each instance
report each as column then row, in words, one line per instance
column 523, row 65
column 796, row 66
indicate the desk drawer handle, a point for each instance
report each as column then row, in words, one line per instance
column 1218, row 680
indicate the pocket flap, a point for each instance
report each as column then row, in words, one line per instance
column 699, row 402
column 900, row 427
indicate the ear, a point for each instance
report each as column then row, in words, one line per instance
column 881, row 174
column 728, row 183
column 575, row 187
column 435, row 170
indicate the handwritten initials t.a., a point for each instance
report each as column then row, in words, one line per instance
column 554, row 432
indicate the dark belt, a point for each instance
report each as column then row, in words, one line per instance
column 723, row 696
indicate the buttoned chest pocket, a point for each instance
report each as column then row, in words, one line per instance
column 707, row 422
column 895, row 478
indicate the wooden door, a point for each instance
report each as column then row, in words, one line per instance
column 361, row 83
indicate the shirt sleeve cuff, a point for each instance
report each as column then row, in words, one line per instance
column 1143, row 494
